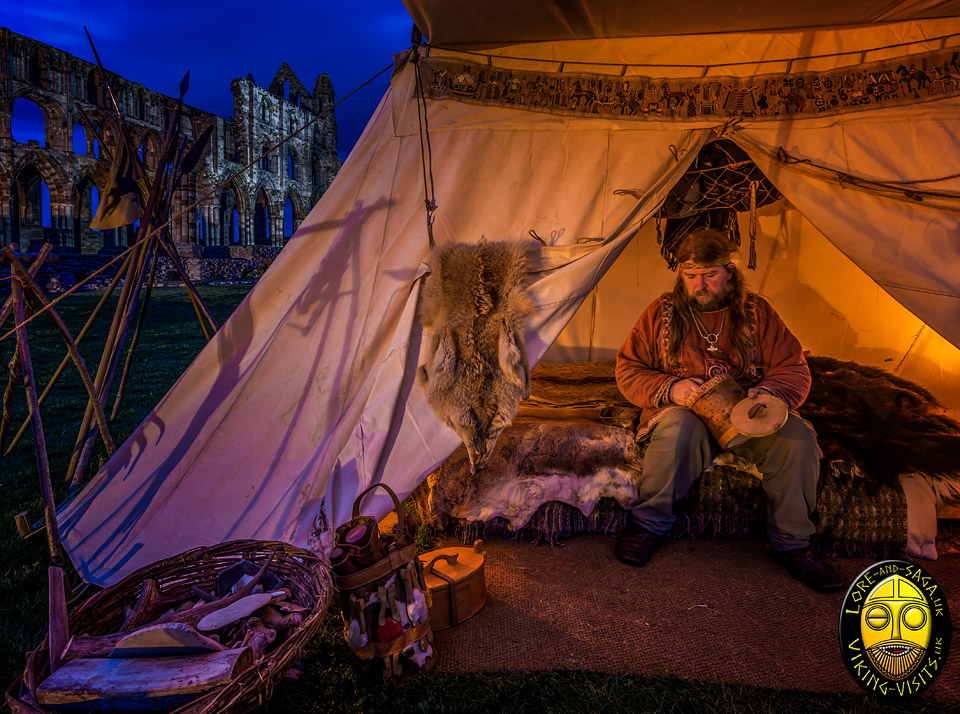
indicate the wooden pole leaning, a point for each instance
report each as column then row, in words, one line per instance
column 34, row 269
column 66, row 359
column 59, row 631
column 101, row 381
column 111, row 354
column 13, row 376
column 27, row 281
column 14, row 366
column 141, row 318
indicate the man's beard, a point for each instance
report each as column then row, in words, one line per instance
column 708, row 301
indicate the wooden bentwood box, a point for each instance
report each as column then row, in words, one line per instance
column 456, row 582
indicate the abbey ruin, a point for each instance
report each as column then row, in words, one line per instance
column 244, row 208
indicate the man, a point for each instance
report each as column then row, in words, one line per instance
column 708, row 325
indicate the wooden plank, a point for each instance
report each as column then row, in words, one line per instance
column 142, row 684
column 168, row 638
column 23, row 524
column 59, row 633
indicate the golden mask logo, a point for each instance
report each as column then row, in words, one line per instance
column 894, row 629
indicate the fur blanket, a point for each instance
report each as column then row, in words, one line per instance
column 884, row 425
column 475, row 307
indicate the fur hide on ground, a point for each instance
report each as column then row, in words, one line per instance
column 475, row 307
column 885, row 425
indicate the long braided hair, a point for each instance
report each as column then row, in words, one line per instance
column 707, row 248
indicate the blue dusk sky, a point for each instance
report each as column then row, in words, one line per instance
column 155, row 43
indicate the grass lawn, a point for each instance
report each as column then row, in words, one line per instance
column 332, row 682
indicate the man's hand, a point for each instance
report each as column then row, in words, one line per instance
column 681, row 391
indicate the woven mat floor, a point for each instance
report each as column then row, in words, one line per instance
column 712, row 609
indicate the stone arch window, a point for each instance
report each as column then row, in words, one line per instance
column 28, row 122
column 92, row 87
column 229, row 216
column 285, row 90
column 265, row 159
column 317, row 171
column 288, row 219
column 79, row 142
column 291, row 165
column 261, row 221
column 138, row 109
column 34, row 71
column 13, row 61
column 31, row 207
column 150, row 148
column 230, row 146
column 263, row 112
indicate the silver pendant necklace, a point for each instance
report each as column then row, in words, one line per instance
column 710, row 337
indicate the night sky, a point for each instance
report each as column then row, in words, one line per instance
column 155, row 43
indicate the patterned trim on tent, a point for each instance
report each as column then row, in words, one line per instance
column 902, row 80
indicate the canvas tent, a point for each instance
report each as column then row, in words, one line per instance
column 307, row 393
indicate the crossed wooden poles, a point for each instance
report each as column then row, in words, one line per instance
column 139, row 262
column 138, row 268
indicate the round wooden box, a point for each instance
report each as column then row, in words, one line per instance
column 455, row 579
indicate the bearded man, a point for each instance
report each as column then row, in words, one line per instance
column 709, row 325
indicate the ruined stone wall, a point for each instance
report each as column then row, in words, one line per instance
column 245, row 207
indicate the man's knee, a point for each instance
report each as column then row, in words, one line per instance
column 682, row 426
column 798, row 431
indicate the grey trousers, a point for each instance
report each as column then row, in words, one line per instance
column 681, row 448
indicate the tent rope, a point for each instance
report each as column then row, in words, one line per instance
column 426, row 152
column 897, row 190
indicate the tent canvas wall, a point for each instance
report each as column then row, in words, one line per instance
column 307, row 394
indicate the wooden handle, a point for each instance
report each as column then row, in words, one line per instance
column 401, row 514
column 755, row 409
column 450, row 558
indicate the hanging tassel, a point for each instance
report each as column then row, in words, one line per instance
column 752, row 262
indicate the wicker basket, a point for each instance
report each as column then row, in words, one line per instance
column 307, row 577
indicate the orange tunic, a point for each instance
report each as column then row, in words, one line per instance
column 777, row 364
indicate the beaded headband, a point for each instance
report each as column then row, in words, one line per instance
column 694, row 265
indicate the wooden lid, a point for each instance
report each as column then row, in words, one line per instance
column 759, row 416
column 456, row 563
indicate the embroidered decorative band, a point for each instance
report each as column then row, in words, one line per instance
column 903, row 80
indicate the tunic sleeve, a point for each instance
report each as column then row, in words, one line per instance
column 783, row 367
column 640, row 375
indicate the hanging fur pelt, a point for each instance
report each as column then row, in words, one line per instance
column 474, row 309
